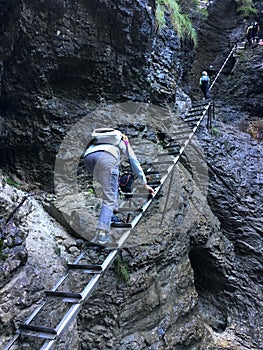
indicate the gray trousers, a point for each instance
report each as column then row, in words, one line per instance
column 105, row 169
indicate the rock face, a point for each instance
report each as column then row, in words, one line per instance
column 233, row 156
column 221, row 31
column 34, row 249
column 61, row 59
column 194, row 281
column 235, row 197
column 158, row 304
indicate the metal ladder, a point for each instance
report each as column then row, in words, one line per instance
column 93, row 271
column 72, row 301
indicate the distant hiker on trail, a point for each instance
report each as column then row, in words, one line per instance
column 252, row 33
column 249, row 35
column 255, row 31
column 205, row 85
column 102, row 159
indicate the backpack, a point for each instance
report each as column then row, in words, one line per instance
column 205, row 80
column 255, row 28
column 106, row 136
column 125, row 183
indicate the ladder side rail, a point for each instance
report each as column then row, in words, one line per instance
column 64, row 277
column 41, row 306
column 164, row 178
column 220, row 70
column 175, row 160
column 11, row 342
column 27, row 322
column 124, row 237
column 63, row 325
column 74, row 310
column 171, row 168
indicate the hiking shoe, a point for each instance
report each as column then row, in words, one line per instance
column 105, row 241
column 115, row 218
column 94, row 239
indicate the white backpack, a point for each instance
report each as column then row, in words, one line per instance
column 106, row 136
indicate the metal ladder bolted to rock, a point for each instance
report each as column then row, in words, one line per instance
column 68, row 303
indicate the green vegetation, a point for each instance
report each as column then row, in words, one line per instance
column 122, row 270
column 160, row 16
column 245, row 7
column 180, row 21
column 90, row 191
column 57, row 251
column 12, row 182
column 214, row 131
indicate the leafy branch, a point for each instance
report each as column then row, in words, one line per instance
column 245, row 7
column 180, row 21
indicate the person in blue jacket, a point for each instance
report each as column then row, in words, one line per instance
column 102, row 159
column 205, row 85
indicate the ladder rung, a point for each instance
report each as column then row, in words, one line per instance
column 198, row 104
column 188, row 117
column 185, row 131
column 37, row 331
column 163, row 162
column 134, row 195
column 129, row 210
column 91, row 245
column 172, row 145
column 180, row 127
column 161, row 171
column 163, row 154
column 154, row 183
column 182, row 137
column 151, row 172
column 190, row 120
column 197, row 109
column 66, row 296
column 194, row 113
column 87, row 267
column 170, row 152
column 121, row 224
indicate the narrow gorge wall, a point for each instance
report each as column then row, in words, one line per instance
column 195, row 281
column 61, row 59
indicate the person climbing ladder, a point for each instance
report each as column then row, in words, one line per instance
column 205, row 85
column 252, row 34
column 102, row 159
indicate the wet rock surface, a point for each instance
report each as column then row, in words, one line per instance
column 195, row 282
column 235, row 197
column 82, row 54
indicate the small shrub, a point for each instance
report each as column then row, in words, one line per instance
column 214, row 131
column 58, row 251
column 12, row 182
column 159, row 14
column 180, row 21
column 245, row 7
column 122, row 270
column 91, row 191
